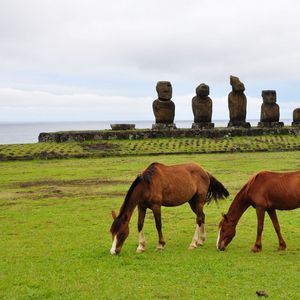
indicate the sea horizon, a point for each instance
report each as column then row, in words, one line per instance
column 25, row 132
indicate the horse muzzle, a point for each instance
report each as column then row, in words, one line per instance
column 221, row 246
column 114, row 252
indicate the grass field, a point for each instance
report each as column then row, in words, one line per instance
column 55, row 240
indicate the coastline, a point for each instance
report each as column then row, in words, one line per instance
column 25, row 132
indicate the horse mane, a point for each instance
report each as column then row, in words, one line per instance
column 244, row 190
column 147, row 175
column 251, row 180
column 130, row 191
column 118, row 220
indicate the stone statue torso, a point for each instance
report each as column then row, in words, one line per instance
column 202, row 109
column 164, row 111
column 269, row 112
column 237, row 104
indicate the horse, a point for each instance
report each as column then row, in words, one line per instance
column 266, row 191
column 161, row 185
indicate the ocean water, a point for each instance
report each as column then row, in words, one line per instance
column 23, row 133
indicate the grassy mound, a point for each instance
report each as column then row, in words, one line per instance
column 109, row 148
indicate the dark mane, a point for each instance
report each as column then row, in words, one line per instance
column 245, row 189
column 115, row 226
column 249, row 183
column 242, row 192
column 118, row 220
column 131, row 189
column 146, row 176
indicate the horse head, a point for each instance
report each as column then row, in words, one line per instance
column 226, row 233
column 119, row 231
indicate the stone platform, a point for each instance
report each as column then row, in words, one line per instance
column 93, row 135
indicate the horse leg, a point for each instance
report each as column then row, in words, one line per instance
column 195, row 241
column 260, row 212
column 200, row 224
column 202, row 234
column 199, row 235
column 273, row 217
column 157, row 216
column 141, row 218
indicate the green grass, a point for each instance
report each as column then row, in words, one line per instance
column 55, row 241
column 109, row 148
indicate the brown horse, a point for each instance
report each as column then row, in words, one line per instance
column 161, row 185
column 265, row 191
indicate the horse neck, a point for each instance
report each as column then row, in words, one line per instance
column 130, row 204
column 238, row 207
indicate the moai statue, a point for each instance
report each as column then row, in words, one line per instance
column 296, row 117
column 269, row 116
column 164, row 107
column 237, row 104
column 202, row 108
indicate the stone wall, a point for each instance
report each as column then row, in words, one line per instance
column 79, row 136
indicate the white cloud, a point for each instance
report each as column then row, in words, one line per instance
column 155, row 38
column 44, row 106
column 82, row 55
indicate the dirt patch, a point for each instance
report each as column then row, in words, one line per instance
column 100, row 147
column 111, row 194
column 75, row 182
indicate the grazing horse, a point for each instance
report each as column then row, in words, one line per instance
column 161, row 185
column 265, row 191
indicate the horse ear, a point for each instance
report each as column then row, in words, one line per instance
column 113, row 214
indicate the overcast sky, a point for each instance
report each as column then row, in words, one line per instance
column 74, row 60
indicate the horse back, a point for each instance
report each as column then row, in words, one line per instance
column 275, row 190
column 176, row 184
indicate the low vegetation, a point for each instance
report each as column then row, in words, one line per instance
column 55, row 240
column 108, row 148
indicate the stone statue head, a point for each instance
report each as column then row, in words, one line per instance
column 236, row 84
column 164, row 90
column 296, row 115
column 202, row 90
column 269, row 96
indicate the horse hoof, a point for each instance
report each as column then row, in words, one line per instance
column 201, row 243
column 281, row 248
column 140, row 250
column 160, row 247
column 192, row 247
column 256, row 249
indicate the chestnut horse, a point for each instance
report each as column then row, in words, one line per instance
column 265, row 191
column 161, row 185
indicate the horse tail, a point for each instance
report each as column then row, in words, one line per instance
column 216, row 190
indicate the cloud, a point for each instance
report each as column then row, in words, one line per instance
column 110, row 52
column 210, row 39
column 44, row 106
